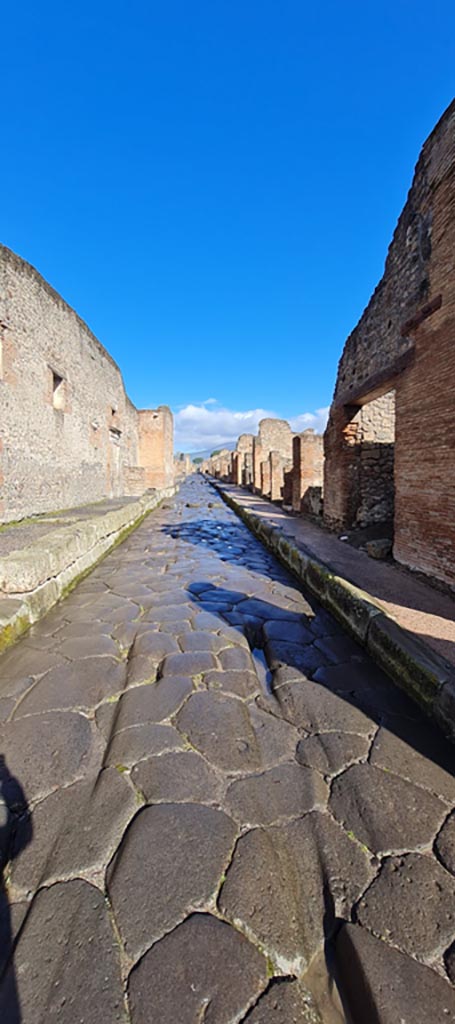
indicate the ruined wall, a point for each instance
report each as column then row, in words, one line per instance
column 241, row 462
column 69, row 433
column 183, row 466
column 376, row 461
column 405, row 342
column 307, row 472
column 156, row 446
column 273, row 435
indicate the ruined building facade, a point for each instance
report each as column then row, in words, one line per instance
column 68, row 432
column 388, row 464
column 390, row 440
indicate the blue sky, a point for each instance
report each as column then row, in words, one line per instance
column 213, row 184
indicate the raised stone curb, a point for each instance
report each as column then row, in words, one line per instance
column 411, row 663
column 33, row 579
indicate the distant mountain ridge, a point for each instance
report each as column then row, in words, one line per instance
column 205, row 453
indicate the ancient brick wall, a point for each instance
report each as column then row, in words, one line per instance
column 404, row 343
column 307, row 472
column 69, row 433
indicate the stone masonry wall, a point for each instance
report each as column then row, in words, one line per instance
column 307, row 472
column 273, row 435
column 405, row 342
column 68, row 432
column 156, row 446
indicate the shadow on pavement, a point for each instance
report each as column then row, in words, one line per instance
column 13, row 806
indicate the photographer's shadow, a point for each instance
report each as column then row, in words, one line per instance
column 13, row 808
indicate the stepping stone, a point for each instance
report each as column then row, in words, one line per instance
column 170, row 861
column 66, row 963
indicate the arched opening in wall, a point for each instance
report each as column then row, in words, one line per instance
column 376, row 490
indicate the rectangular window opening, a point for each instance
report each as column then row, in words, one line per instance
column 58, row 391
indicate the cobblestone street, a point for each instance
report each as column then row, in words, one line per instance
column 215, row 806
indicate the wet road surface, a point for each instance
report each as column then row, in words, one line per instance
column 214, row 807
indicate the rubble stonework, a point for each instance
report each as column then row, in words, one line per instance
column 404, row 343
column 69, row 433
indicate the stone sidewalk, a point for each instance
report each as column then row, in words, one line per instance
column 215, row 807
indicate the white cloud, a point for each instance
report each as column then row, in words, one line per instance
column 198, row 427
column 317, row 420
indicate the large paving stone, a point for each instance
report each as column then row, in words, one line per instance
column 286, row 791
column 237, row 659
column 172, row 778
column 288, row 632
column 312, row 707
column 152, row 702
column 411, row 905
column 242, row 684
column 216, row 984
column 170, row 861
column 285, row 1002
column 47, row 751
column 329, row 752
column 131, row 745
column 82, row 685
column 445, row 844
column 233, row 736
column 189, row 664
column 385, row 812
column 384, row 986
column 89, row 646
column 76, row 830
column 66, row 965
column 201, row 641
column 267, row 611
column 287, row 884
column 21, row 665
column 153, row 644
column 418, row 753
column 305, row 658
